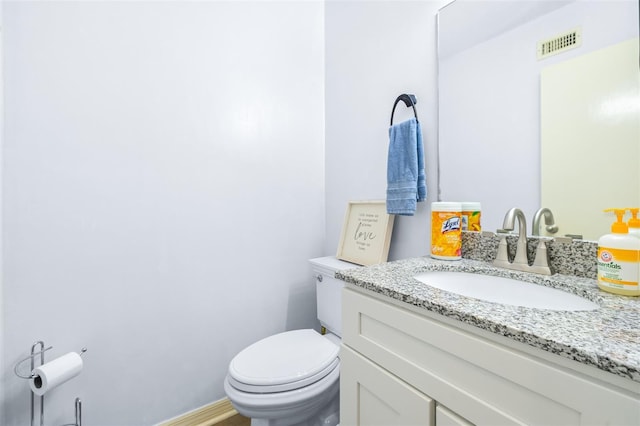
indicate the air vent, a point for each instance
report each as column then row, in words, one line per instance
column 559, row 44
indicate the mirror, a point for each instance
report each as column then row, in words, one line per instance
column 492, row 122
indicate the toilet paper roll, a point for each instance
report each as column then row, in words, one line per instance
column 54, row 373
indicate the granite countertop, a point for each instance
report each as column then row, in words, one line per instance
column 607, row 338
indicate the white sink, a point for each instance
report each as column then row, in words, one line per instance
column 506, row 291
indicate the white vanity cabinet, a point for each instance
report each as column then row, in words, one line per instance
column 403, row 367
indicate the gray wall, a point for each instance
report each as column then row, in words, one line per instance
column 163, row 184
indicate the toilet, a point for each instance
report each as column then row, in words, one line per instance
column 293, row 378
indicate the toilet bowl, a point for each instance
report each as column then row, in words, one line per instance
column 286, row 379
column 293, row 378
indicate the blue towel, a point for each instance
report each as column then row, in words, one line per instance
column 406, row 182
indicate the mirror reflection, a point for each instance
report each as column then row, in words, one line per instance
column 560, row 130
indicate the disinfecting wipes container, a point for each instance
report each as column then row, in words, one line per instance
column 446, row 230
column 471, row 213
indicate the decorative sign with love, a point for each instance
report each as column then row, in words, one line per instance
column 366, row 233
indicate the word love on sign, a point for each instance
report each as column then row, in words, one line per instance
column 365, row 230
column 366, row 233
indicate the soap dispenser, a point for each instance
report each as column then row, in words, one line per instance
column 619, row 259
column 634, row 222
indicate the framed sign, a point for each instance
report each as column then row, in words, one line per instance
column 366, row 233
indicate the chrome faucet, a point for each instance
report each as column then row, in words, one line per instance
column 521, row 260
column 549, row 221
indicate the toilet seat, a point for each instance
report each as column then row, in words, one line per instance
column 284, row 362
column 294, row 404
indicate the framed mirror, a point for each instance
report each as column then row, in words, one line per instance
column 500, row 101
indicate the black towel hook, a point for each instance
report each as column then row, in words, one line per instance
column 409, row 100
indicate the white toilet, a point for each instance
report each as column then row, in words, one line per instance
column 293, row 378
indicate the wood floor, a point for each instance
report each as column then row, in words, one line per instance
column 220, row 413
column 236, row 420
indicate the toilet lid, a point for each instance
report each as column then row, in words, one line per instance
column 284, row 361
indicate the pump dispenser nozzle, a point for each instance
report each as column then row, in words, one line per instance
column 634, row 222
column 618, row 227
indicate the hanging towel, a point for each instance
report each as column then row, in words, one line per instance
column 406, row 182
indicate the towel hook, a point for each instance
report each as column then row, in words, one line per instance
column 409, row 100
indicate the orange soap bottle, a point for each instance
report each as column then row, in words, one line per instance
column 619, row 259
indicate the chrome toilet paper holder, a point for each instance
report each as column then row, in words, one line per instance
column 32, row 357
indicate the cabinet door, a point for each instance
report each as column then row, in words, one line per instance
column 370, row 396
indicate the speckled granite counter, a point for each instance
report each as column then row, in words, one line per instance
column 607, row 338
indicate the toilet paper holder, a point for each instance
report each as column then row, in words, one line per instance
column 32, row 357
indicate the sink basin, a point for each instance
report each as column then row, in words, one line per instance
column 506, row 291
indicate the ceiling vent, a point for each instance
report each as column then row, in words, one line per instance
column 560, row 43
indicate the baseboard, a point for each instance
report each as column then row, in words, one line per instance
column 207, row 415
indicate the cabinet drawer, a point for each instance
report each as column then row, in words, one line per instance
column 482, row 381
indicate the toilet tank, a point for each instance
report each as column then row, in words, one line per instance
column 329, row 291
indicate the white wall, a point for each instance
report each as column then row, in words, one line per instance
column 163, row 189
column 375, row 51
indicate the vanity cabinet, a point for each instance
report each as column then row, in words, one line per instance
column 403, row 367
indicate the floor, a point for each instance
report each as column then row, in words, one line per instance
column 236, row 420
